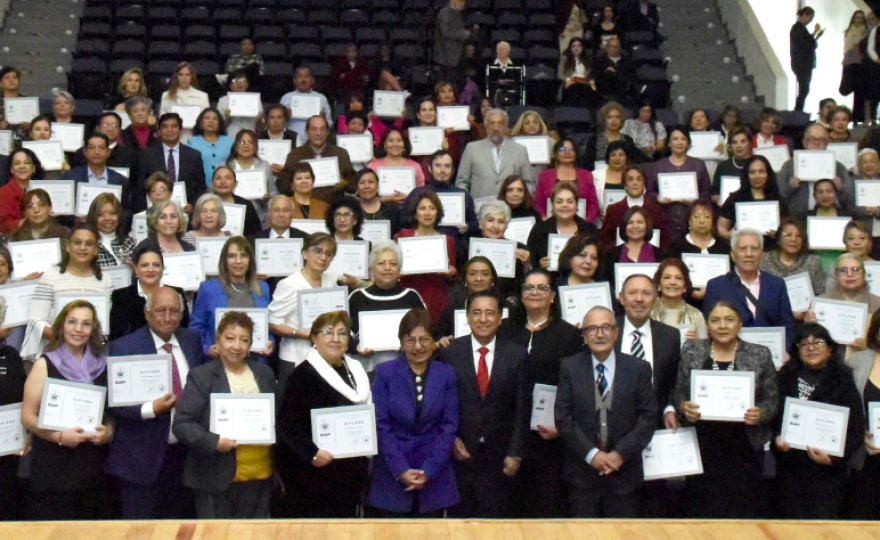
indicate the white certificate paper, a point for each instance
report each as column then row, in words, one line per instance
column 872, row 276
column 134, row 380
column 260, row 318
column 845, row 321
column 678, row 186
column 762, row 216
column 210, row 249
column 518, row 229
column 279, row 257
column 251, row 184
column 846, row 153
column 119, row 276
column 234, row 218
column 729, row 184
column 18, row 295
column 502, row 253
column 826, row 232
column 537, row 147
column 359, row 147
column 303, row 106
column 351, row 258
column 309, row 226
column 50, row 153
column 776, row 155
column 577, row 300
column 348, row 431
column 703, row 144
column 453, row 209
column 183, row 270
column 388, row 104
column 867, row 192
column 86, row 193
column 723, row 395
column 426, row 140
column 99, row 300
column 874, row 419
column 624, row 270
column 11, row 430
column 424, row 254
column 244, row 418
column 555, row 245
column 705, row 267
column 62, row 193
column 817, row 425
column 378, row 329
column 672, row 454
column 393, row 179
column 34, row 256
column 139, row 229
column 70, row 135
column 800, row 291
column 188, row 114
column 5, row 141
column 455, row 117
column 612, row 196
column 326, row 171
column 376, row 230
column 68, row 405
column 274, row 151
column 543, row 401
column 21, row 110
column 315, row 302
column 772, row 337
column 814, row 164
column 244, row 104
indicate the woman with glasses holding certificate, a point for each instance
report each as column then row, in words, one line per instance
column 67, row 466
column 564, row 170
column 39, row 223
column 757, row 183
column 416, row 400
column 317, row 485
column 811, row 484
column 24, row 165
column 733, row 451
column 792, row 256
column 673, row 282
column 345, row 218
column 230, row 480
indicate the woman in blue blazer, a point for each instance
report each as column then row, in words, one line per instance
column 237, row 287
column 416, row 401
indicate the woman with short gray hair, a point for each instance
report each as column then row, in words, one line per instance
column 208, row 219
column 494, row 217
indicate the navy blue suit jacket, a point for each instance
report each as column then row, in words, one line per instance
column 138, row 446
column 81, row 174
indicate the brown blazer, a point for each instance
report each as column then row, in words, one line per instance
column 284, row 179
column 317, row 208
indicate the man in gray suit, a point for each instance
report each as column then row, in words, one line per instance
column 486, row 163
column 449, row 37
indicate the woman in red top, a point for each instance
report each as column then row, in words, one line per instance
column 765, row 125
column 565, row 170
column 24, row 165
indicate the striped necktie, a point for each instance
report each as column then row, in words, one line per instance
column 601, row 382
column 638, row 350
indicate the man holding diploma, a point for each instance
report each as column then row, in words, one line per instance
column 317, row 131
column 797, row 193
column 606, row 412
column 145, row 456
column 97, row 152
column 442, row 170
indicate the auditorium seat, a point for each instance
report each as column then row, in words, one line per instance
column 507, row 19
column 334, row 51
column 354, row 18
column 226, row 16
column 198, row 32
column 92, row 48
column 371, row 35
column 667, row 117
column 306, row 51
column 405, row 35
column 88, row 77
column 543, row 55
column 290, row 16
column 265, row 33
column 200, row 49
column 277, row 80
column 162, row 15
column 569, row 119
column 259, row 16
column 387, row 19
column 297, row 33
column 355, row 4
column 542, row 37
column 164, row 49
column 100, row 14
column 322, row 16
column 272, row 51
column 506, row 34
column 542, row 20
column 134, row 13
column 234, row 32
column 335, row 34
column 130, row 30
column 96, row 30
column 195, row 15
column 129, row 48
column 165, row 31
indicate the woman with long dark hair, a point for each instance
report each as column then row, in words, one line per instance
column 757, row 183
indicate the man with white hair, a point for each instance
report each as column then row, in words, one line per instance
column 486, row 163
column 761, row 298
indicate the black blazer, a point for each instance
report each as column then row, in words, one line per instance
column 803, row 48
column 265, row 234
column 666, row 344
column 206, row 468
column 538, row 238
column 631, row 420
column 190, row 170
column 127, row 311
column 122, row 155
column 502, row 417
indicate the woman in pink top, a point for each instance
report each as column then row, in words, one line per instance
column 396, row 149
column 564, row 170
column 378, row 127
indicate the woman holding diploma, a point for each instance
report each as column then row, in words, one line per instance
column 812, row 484
column 426, row 116
column 316, row 484
column 244, row 157
column 578, row 87
column 23, row 166
column 563, row 221
column 515, row 193
column 563, row 169
column 106, row 215
column 673, row 282
column 792, row 256
column 740, row 151
column 611, row 117
column 580, row 259
column 530, row 124
column 39, row 223
column 230, row 481
column 702, row 236
column 828, row 204
column 732, row 452
column 238, row 82
column 766, row 125
column 223, row 185
column 617, row 159
column 167, row 225
column 12, row 504
column 416, row 400
column 210, row 138
column 394, row 152
column 304, row 206
column 868, row 168
column 209, row 217
column 494, row 216
column 41, row 130
column 183, row 90
column 636, row 230
column 345, row 218
column 143, row 124
column 366, row 184
column 67, row 467
column 757, row 183
column 699, row 121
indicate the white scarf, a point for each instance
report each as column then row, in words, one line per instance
column 326, row 371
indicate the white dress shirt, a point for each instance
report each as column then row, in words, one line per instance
column 182, row 368
column 626, row 343
column 490, row 356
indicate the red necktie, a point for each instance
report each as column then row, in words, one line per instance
column 176, row 386
column 483, row 372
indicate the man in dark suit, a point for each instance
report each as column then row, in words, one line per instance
column 494, row 409
column 605, row 412
column 317, row 146
column 773, row 307
column 803, row 45
column 96, row 170
column 123, row 154
column 145, row 456
column 615, row 73
column 180, row 162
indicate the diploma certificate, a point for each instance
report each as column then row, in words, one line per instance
column 188, row 114
column 119, row 276
column 68, row 405
column 61, row 192
column 461, row 326
column 260, row 318
column 624, row 270
column 304, row 106
column 351, row 258
column 124, row 171
column 70, row 135
column 326, row 171
column 309, row 226
column 273, row 151
column 426, row 140
column 800, row 291
column 826, row 232
column 139, row 229
column 178, row 194
column 704, row 144
column 874, row 419
column 11, row 430
column 502, row 253
column 100, row 301
column 518, row 229
column 772, row 337
column 50, row 153
column 678, row 186
column 729, row 184
column 244, row 418
column 776, row 155
column 555, row 245
column 34, row 256
column 846, row 153
column 251, row 184
column 388, row 104
column 671, row 454
column 612, row 196
column 845, row 321
column 453, row 209
column 21, row 110
column 315, row 302
column 867, row 192
column 378, row 329
column 5, row 142
column 723, row 395
column 18, row 295
column 455, row 117
column 424, row 254
column 234, row 218
column 761, row 216
column 537, row 147
column 348, row 431
column 705, row 267
column 814, row 424
column 279, row 257
column 134, row 380
column 814, row 165
column 244, row 104
column 872, row 276
column 86, row 193
column 210, row 249
column 394, row 179
column 577, row 300
column 376, row 230
column 359, row 147
column 543, row 402
column 183, row 270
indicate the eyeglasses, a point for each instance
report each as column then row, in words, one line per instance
column 535, row 289
column 818, row 344
column 163, row 312
column 605, row 329
column 239, row 80
column 330, row 333
column 37, row 206
column 319, row 252
column 110, row 125
column 564, row 150
column 245, row 142
column 343, row 215
column 791, row 236
column 424, row 341
column 849, row 269
column 813, row 140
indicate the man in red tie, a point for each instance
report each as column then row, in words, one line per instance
column 145, row 456
column 494, row 407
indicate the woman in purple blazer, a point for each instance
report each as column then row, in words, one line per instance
column 416, row 403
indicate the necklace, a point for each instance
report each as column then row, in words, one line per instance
column 537, row 324
column 715, row 366
column 733, row 160
column 236, row 289
column 350, row 376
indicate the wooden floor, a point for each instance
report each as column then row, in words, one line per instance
column 441, row 530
